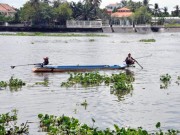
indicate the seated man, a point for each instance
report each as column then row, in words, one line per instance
column 46, row 61
column 130, row 60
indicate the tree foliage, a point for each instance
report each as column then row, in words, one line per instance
column 62, row 13
column 142, row 16
column 83, row 11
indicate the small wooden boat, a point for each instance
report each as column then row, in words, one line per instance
column 77, row 68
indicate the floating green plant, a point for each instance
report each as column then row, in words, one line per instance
column 44, row 83
column 85, row 104
column 165, row 79
column 85, row 79
column 178, row 80
column 13, row 83
column 3, row 84
column 16, row 82
column 91, row 40
column 8, row 124
column 120, row 84
column 147, row 40
column 64, row 125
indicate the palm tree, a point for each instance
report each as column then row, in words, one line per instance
column 46, row 1
column 124, row 3
column 177, row 10
column 95, row 3
column 156, row 10
column 165, row 10
column 145, row 2
column 56, row 3
column 83, row 11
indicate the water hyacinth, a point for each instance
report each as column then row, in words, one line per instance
column 120, row 84
column 165, row 79
column 8, row 124
column 64, row 125
column 85, row 79
column 3, row 84
column 147, row 40
column 16, row 82
column 13, row 83
column 44, row 83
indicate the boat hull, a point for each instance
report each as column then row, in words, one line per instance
column 77, row 68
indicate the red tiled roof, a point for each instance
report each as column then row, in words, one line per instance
column 121, row 14
column 6, row 8
column 124, row 9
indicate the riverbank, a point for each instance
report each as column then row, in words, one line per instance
column 103, row 29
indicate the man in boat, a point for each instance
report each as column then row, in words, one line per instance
column 129, row 60
column 46, row 61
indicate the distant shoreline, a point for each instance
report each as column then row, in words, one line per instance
column 103, row 29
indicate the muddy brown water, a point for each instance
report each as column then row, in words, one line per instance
column 146, row 105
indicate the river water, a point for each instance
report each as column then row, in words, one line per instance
column 146, row 105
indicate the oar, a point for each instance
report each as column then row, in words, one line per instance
column 144, row 56
column 138, row 64
column 25, row 65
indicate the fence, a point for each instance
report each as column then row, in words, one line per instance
column 83, row 24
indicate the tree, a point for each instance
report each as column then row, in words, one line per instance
column 142, row 16
column 177, row 10
column 83, row 11
column 39, row 13
column 165, row 12
column 27, row 12
column 3, row 18
column 133, row 5
column 63, row 12
column 46, row 14
column 124, row 3
column 114, row 10
column 56, row 3
column 35, row 3
column 46, row 1
column 145, row 2
column 95, row 4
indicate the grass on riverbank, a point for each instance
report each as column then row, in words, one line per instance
column 54, row 34
column 172, row 25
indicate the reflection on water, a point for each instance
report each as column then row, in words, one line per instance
column 144, row 106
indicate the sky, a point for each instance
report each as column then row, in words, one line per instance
column 162, row 3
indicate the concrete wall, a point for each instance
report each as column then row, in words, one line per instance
column 107, row 29
column 170, row 29
column 123, row 29
column 143, row 29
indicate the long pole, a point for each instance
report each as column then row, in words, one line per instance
column 144, row 56
column 138, row 64
column 25, row 65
